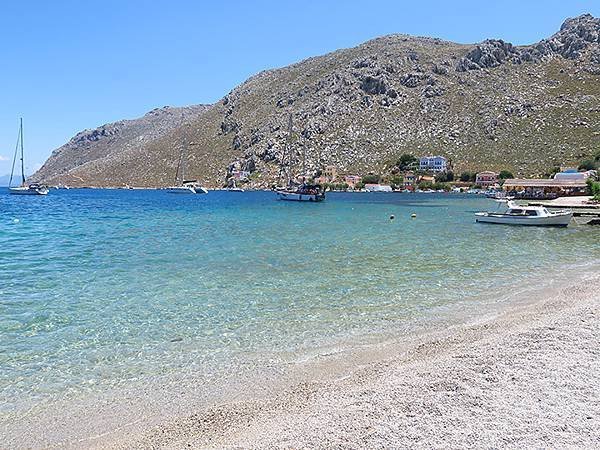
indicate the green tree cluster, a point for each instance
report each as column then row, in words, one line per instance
column 396, row 181
column 588, row 164
column 407, row 162
column 444, row 177
column 468, row 176
column 371, row 179
column 594, row 189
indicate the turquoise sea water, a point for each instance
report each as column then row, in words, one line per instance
column 99, row 288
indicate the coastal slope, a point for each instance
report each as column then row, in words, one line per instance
column 104, row 155
column 487, row 106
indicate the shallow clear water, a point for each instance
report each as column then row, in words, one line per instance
column 99, row 288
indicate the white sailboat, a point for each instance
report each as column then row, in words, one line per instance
column 183, row 186
column 24, row 188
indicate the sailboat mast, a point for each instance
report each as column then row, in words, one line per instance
column 288, row 146
column 183, row 153
column 22, row 156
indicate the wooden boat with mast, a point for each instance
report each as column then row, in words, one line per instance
column 24, row 188
column 297, row 192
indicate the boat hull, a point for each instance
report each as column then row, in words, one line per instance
column 187, row 190
column 28, row 191
column 557, row 220
column 297, row 197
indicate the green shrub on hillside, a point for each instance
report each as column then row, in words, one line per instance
column 468, row 176
column 407, row 162
column 588, row 164
column 371, row 179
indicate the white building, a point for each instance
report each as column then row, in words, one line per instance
column 574, row 175
column 433, row 163
column 377, row 188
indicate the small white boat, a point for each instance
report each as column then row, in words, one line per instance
column 24, row 188
column 526, row 215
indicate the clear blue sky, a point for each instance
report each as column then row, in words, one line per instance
column 71, row 65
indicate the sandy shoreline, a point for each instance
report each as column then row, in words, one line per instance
column 526, row 375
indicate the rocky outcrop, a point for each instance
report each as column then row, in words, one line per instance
column 575, row 36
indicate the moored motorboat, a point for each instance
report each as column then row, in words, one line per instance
column 526, row 215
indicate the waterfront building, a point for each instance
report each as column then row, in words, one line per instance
column 486, row 178
column 378, row 187
column 409, row 179
column 433, row 163
column 330, row 173
column 544, row 188
column 574, row 175
column 352, row 180
column 426, row 179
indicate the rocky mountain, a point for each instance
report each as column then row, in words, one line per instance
column 102, row 156
column 490, row 105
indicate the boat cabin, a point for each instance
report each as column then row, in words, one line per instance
column 529, row 211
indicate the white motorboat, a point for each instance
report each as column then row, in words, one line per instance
column 526, row 215
column 24, row 188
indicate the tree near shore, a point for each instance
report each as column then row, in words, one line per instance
column 467, row 176
column 594, row 189
column 505, row 174
column 407, row 162
column 371, row 179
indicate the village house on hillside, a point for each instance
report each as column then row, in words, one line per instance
column 352, row 180
column 486, row 178
column 409, row 180
column 433, row 163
